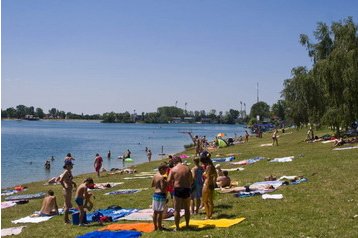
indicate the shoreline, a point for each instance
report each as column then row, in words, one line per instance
column 85, row 173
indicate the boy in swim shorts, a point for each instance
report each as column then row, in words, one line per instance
column 160, row 184
column 82, row 195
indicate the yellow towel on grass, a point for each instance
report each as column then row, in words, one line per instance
column 216, row 223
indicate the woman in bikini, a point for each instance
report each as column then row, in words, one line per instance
column 66, row 180
column 210, row 176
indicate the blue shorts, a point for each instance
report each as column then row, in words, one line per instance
column 79, row 201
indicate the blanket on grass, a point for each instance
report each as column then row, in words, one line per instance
column 147, row 215
column 7, row 204
column 11, row 231
column 248, row 161
column 346, row 148
column 26, row 196
column 114, row 213
column 212, row 223
column 123, row 191
column 111, row 234
column 272, row 196
column 225, row 159
column 137, row 177
column 31, row 219
column 142, row 227
column 283, row 159
column 105, row 185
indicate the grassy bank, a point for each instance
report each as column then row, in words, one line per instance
column 325, row 206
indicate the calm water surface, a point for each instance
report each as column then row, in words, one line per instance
column 26, row 145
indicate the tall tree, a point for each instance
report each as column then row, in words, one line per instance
column 261, row 109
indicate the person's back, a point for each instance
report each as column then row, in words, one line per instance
column 182, row 176
column 49, row 205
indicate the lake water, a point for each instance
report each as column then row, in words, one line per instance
column 26, row 145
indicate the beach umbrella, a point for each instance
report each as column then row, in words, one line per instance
column 221, row 134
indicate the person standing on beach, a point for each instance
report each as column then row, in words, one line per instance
column 149, row 155
column 82, row 195
column 66, row 180
column 182, row 178
column 246, row 136
column 98, row 164
column 197, row 188
column 159, row 183
column 274, row 138
column 210, row 176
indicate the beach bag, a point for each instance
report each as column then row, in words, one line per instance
column 97, row 216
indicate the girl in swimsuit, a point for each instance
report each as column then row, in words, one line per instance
column 209, row 184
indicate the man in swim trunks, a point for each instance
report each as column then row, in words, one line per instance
column 182, row 178
column 49, row 205
column 98, row 164
column 82, row 195
column 159, row 183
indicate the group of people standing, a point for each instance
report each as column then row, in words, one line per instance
column 190, row 188
column 82, row 197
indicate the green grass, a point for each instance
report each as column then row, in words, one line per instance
column 324, row 206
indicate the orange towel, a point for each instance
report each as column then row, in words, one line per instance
column 142, row 227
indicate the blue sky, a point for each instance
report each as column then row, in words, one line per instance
column 90, row 56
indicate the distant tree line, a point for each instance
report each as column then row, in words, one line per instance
column 22, row 111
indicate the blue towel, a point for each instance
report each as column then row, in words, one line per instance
column 102, row 234
column 115, row 214
column 299, row 181
column 226, row 159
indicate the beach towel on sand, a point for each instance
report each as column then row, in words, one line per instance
column 11, row 231
column 142, row 227
column 212, row 223
column 30, row 219
column 114, row 213
column 111, row 234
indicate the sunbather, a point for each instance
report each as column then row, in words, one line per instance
column 49, row 205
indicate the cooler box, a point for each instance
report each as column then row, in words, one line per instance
column 76, row 218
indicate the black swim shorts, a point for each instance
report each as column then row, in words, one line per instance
column 182, row 192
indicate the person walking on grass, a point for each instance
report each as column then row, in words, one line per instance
column 275, row 137
column 98, row 164
column 82, row 195
column 182, row 178
column 159, row 183
column 66, row 180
